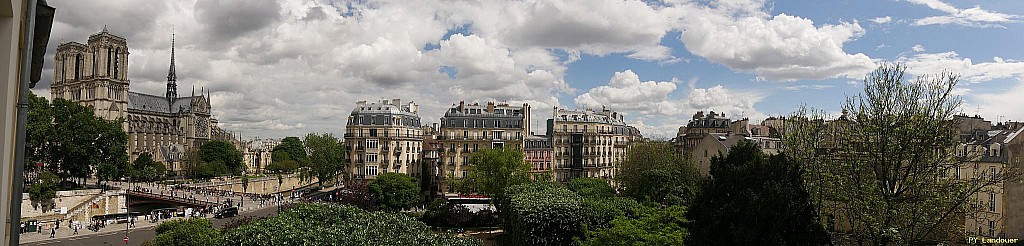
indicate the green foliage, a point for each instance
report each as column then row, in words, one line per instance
column 599, row 212
column 71, row 141
column 754, row 199
column 224, row 153
column 187, row 232
column 395, row 191
column 43, row 190
column 542, row 214
column 653, row 227
column 38, row 130
column 652, row 172
column 881, row 173
column 283, row 166
column 145, row 169
column 493, row 170
column 443, row 214
column 330, row 224
column 326, row 154
column 290, row 149
column 591, row 187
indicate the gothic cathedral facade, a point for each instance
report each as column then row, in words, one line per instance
column 96, row 75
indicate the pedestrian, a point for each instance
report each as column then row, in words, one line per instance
column 76, row 230
column 53, row 231
column 56, row 225
column 22, row 228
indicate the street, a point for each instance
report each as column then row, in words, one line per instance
column 139, row 235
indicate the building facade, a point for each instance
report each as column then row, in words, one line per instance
column 95, row 74
column 985, row 151
column 588, row 143
column 539, row 153
column 383, row 137
column 467, row 128
column 258, row 153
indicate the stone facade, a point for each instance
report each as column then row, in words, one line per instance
column 95, row 74
column 588, row 143
column 383, row 137
column 257, row 154
column 540, row 155
column 467, row 128
column 986, row 152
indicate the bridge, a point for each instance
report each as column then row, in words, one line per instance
column 150, row 197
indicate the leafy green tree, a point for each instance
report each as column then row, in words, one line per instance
column 493, row 170
column 542, row 214
column 654, row 227
column 395, row 191
column 290, row 148
column 76, row 141
column 283, row 167
column 753, row 198
column 652, row 172
column 591, row 187
column 145, row 169
column 219, row 151
column 331, row 224
column 187, row 232
column 43, row 190
column 38, row 131
column 884, row 173
column 325, row 158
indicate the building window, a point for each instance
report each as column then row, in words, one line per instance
column 371, row 143
column 371, row 171
column 992, row 172
column 992, row 202
column 991, row 228
column 371, row 158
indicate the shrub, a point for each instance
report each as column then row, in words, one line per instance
column 329, row 224
column 542, row 214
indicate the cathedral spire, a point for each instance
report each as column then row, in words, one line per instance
column 172, row 78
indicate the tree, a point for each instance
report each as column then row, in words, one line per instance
column 652, row 172
column 325, row 157
column 245, row 183
column 43, row 190
column 145, row 169
column 395, row 191
column 493, row 170
column 219, row 151
column 71, row 140
column 753, row 198
column 38, row 130
column 591, row 187
column 881, row 174
column 653, row 227
column 187, row 232
column 290, row 148
column 332, row 224
column 542, row 214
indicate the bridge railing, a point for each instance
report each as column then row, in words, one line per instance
column 171, row 198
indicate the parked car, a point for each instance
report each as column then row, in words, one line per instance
column 226, row 212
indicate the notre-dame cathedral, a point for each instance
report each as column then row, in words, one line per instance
column 96, row 75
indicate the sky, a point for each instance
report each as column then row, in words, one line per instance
column 291, row 67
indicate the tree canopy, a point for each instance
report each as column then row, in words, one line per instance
column 331, row 224
column 221, row 153
column 651, row 172
column 326, row 156
column 145, row 169
column 493, row 170
column 395, row 191
column 753, row 198
column 70, row 140
column 290, row 148
column 186, row 232
column 881, row 173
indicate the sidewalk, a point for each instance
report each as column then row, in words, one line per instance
column 66, row 233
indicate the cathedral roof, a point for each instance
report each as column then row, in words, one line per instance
column 153, row 103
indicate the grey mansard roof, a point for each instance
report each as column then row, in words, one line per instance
column 152, row 103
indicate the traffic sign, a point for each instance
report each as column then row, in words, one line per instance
column 125, row 239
